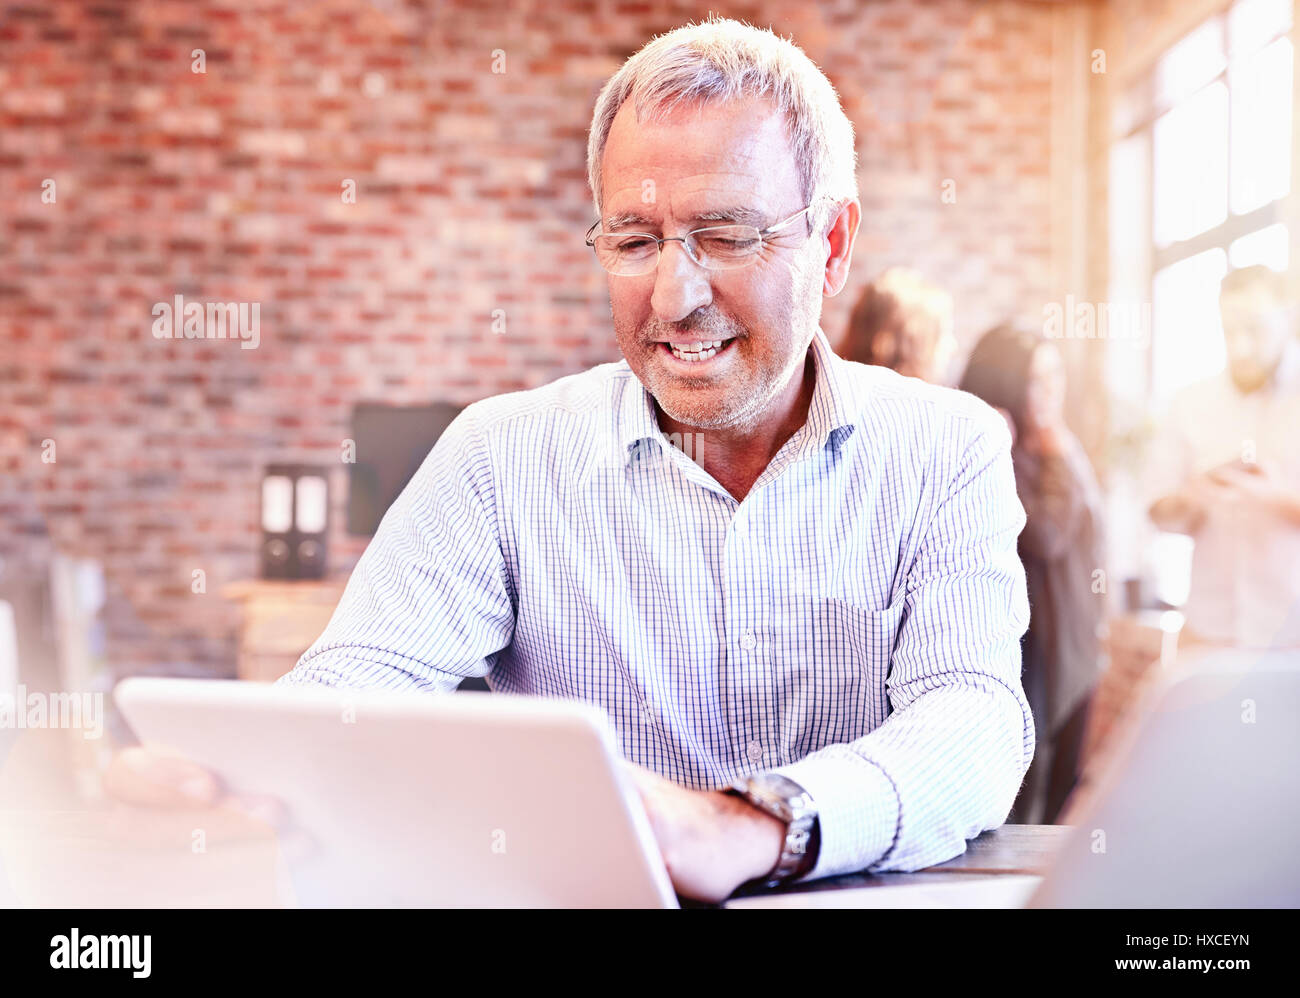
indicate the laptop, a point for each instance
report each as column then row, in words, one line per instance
column 1199, row 808
column 423, row 800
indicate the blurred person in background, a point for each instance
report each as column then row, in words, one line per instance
column 1225, row 469
column 1021, row 373
column 903, row 322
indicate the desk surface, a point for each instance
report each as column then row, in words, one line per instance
column 1008, row 851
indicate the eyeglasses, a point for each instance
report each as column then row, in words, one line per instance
column 716, row 247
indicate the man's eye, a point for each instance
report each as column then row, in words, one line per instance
column 632, row 244
column 729, row 243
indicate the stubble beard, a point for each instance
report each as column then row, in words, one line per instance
column 735, row 403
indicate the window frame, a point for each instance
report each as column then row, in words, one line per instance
column 1140, row 110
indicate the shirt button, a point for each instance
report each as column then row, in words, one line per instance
column 755, row 751
column 748, row 641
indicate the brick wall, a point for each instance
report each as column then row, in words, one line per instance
column 470, row 197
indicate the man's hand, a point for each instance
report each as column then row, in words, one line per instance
column 1185, row 511
column 145, row 778
column 166, row 834
column 711, row 842
column 139, row 776
column 1259, row 485
column 158, row 801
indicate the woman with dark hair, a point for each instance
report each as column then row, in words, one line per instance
column 903, row 322
column 1018, row 371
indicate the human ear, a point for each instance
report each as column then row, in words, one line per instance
column 839, row 241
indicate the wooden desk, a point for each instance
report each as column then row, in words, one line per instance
column 1011, row 852
column 281, row 621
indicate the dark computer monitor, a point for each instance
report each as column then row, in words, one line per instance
column 391, row 442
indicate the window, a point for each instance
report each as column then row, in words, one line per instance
column 1214, row 123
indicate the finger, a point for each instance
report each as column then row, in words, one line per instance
column 149, row 778
column 262, row 807
column 1218, row 482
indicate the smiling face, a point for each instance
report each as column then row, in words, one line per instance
column 713, row 163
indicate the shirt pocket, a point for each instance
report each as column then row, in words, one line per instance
column 842, row 669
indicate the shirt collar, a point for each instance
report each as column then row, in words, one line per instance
column 832, row 413
column 835, row 408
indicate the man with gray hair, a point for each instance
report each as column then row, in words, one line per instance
column 806, row 632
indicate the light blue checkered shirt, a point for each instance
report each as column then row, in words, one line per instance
column 854, row 623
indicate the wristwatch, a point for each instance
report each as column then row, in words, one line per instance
column 784, row 799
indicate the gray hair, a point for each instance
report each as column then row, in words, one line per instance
column 721, row 60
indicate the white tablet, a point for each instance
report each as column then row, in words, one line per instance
column 415, row 799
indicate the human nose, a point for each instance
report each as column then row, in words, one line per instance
column 681, row 285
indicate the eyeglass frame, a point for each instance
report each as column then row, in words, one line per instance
column 590, row 240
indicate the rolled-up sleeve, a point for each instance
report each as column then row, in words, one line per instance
column 429, row 602
column 948, row 761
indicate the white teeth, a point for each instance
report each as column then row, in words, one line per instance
column 694, row 355
column 697, row 346
column 696, row 351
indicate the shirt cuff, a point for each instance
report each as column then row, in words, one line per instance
column 857, row 809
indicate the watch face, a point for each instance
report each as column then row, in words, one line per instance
column 776, row 785
column 784, row 799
